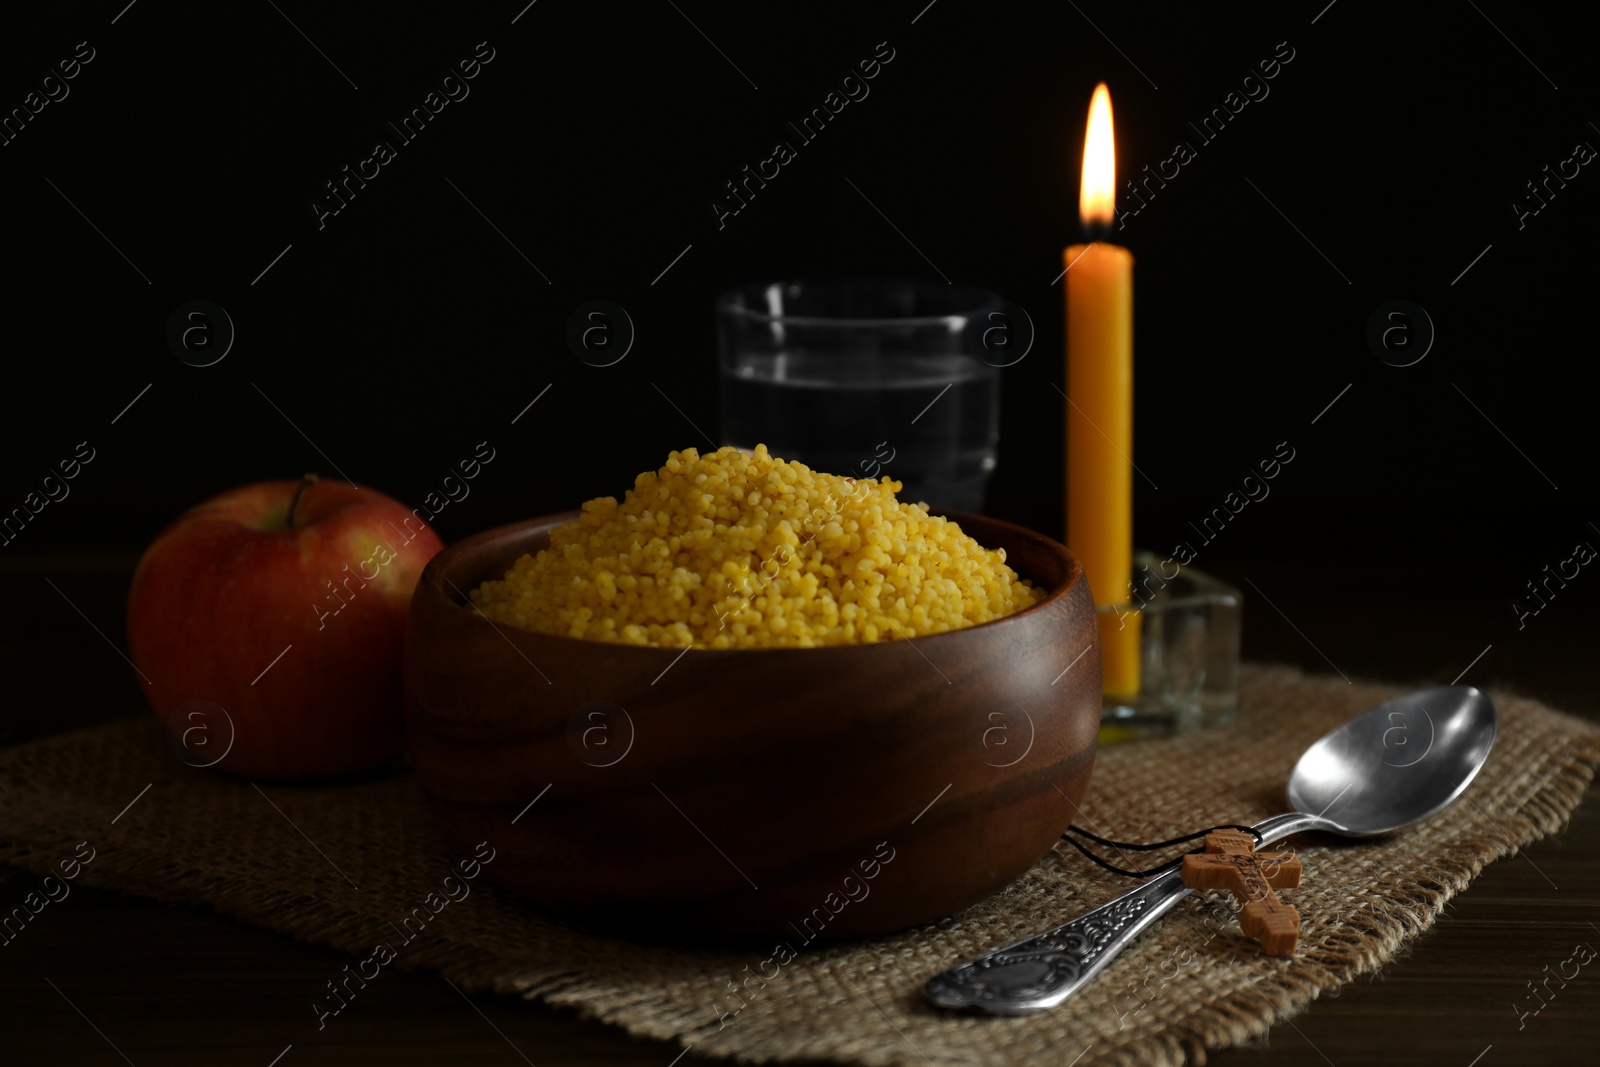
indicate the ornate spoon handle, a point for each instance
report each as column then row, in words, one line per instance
column 1042, row 971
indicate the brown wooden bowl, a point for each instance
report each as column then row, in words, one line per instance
column 805, row 794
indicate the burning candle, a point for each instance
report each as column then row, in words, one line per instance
column 1099, row 413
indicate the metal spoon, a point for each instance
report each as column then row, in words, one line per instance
column 1397, row 764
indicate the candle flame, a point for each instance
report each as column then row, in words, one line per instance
column 1097, row 196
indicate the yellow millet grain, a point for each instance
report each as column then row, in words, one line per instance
column 734, row 550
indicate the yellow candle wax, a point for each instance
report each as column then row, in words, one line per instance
column 1099, row 410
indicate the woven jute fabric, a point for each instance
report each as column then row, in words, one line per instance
column 344, row 866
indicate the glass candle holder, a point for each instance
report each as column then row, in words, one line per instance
column 1188, row 652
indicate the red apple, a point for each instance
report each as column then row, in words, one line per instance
column 283, row 606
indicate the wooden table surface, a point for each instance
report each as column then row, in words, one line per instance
column 104, row 979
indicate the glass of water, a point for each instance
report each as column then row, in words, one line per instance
column 870, row 378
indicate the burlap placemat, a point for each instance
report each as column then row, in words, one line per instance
column 345, row 865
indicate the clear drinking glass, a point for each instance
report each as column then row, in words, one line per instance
column 867, row 378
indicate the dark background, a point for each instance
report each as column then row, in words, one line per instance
column 408, row 330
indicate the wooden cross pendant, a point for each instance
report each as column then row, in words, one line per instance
column 1231, row 862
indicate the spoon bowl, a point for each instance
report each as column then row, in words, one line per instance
column 1397, row 764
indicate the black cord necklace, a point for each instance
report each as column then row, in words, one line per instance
column 1128, row 846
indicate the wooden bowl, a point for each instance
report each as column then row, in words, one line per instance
column 803, row 794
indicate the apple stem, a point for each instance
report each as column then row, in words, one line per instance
column 300, row 491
